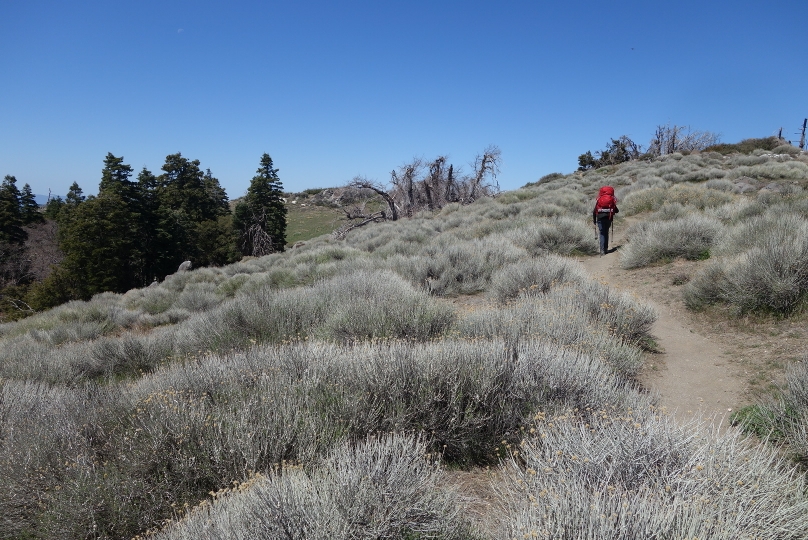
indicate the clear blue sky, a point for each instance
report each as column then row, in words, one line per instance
column 333, row 89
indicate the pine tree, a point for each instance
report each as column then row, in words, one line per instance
column 75, row 196
column 101, row 238
column 154, row 231
column 29, row 207
column 260, row 218
column 185, row 188
column 53, row 207
column 11, row 222
column 99, row 246
column 194, row 207
column 115, row 178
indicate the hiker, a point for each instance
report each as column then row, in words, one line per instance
column 603, row 214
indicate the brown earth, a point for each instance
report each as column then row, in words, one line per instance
column 694, row 372
column 710, row 362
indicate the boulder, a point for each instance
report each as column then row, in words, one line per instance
column 184, row 267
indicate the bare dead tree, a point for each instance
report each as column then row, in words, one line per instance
column 668, row 139
column 414, row 192
column 429, row 182
column 15, row 265
column 357, row 217
column 450, row 195
column 433, row 183
column 257, row 237
column 404, row 181
column 367, row 184
column 20, row 305
column 485, row 165
column 42, row 249
column 632, row 149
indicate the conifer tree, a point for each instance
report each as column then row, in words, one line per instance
column 13, row 264
column 75, row 195
column 115, row 178
column 53, row 207
column 99, row 246
column 29, row 207
column 154, row 231
column 260, row 218
column 185, row 188
column 101, row 236
column 11, row 222
column 194, row 208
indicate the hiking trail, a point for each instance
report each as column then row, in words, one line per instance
column 706, row 367
column 694, row 373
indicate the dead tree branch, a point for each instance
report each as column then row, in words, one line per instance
column 358, row 220
column 417, row 186
column 367, row 184
column 668, row 139
column 404, row 181
column 485, row 164
column 257, row 237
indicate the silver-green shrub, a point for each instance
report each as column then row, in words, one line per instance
column 764, row 267
column 534, row 277
column 387, row 487
column 690, row 237
column 721, row 184
column 785, row 417
column 452, row 266
column 669, row 212
column 685, row 194
column 364, row 305
column 631, row 474
column 561, row 235
column 200, row 296
column 152, row 300
column 116, row 461
column 589, row 317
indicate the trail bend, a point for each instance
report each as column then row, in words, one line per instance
column 694, row 374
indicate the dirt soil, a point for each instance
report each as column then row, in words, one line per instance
column 694, row 373
column 710, row 363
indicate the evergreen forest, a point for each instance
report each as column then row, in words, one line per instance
column 137, row 230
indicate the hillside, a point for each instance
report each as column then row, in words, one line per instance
column 334, row 391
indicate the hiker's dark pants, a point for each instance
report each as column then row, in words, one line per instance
column 603, row 233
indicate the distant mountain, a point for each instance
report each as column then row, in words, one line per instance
column 41, row 199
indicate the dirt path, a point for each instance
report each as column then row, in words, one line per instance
column 695, row 373
column 709, row 365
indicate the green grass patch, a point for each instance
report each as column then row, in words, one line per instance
column 307, row 222
column 757, row 420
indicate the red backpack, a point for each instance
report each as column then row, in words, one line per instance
column 606, row 205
